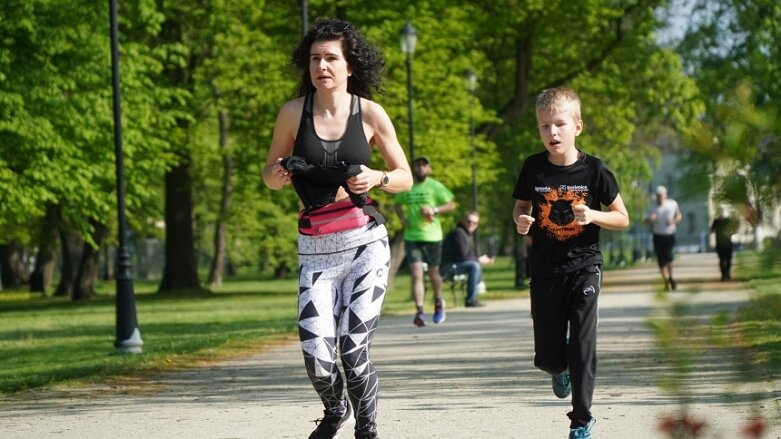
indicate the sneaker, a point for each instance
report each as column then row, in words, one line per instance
column 366, row 433
column 583, row 432
column 561, row 384
column 420, row 319
column 439, row 311
column 331, row 425
column 673, row 285
column 474, row 304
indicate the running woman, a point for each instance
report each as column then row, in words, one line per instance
column 322, row 144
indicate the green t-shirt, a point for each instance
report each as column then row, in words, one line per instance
column 428, row 193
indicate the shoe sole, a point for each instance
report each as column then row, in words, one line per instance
column 350, row 422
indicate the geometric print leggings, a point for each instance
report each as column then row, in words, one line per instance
column 341, row 292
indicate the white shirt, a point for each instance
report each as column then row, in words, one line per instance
column 665, row 214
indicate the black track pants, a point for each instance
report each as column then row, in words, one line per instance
column 568, row 301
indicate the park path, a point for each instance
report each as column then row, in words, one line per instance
column 469, row 378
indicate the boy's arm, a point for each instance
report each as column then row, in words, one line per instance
column 616, row 218
column 522, row 216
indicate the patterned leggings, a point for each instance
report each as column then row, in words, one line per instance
column 341, row 291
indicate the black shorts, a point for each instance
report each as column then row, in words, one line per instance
column 428, row 252
column 663, row 247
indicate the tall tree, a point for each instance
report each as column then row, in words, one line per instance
column 55, row 132
column 731, row 48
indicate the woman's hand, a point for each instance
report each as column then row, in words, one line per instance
column 279, row 172
column 367, row 179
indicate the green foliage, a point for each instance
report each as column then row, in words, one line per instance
column 56, row 134
column 731, row 49
column 747, row 337
column 232, row 56
column 741, row 150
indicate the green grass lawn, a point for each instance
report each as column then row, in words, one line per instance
column 46, row 340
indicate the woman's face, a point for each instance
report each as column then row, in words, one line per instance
column 328, row 67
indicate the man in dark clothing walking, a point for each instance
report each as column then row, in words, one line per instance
column 724, row 227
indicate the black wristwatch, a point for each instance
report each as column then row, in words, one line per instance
column 385, row 180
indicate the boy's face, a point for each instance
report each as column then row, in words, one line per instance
column 558, row 129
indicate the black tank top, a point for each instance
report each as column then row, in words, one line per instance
column 348, row 152
column 352, row 148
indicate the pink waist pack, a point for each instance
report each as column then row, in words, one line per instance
column 335, row 217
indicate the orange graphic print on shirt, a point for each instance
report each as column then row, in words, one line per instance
column 556, row 216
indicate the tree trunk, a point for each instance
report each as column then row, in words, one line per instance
column 181, row 271
column 218, row 262
column 12, row 269
column 72, row 247
column 107, row 271
column 41, row 277
column 84, row 287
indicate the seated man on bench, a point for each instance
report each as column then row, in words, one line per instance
column 459, row 256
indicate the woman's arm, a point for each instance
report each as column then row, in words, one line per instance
column 285, row 128
column 379, row 128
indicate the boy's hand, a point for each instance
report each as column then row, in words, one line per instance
column 583, row 215
column 523, row 223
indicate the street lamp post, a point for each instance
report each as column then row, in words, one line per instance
column 304, row 16
column 128, row 335
column 471, row 81
column 471, row 85
column 408, row 39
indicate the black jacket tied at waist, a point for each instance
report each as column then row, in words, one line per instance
column 317, row 185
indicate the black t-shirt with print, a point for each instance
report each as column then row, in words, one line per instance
column 559, row 244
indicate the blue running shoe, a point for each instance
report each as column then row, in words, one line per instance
column 439, row 311
column 583, row 432
column 561, row 384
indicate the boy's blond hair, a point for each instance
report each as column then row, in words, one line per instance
column 559, row 99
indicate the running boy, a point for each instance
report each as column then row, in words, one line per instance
column 558, row 195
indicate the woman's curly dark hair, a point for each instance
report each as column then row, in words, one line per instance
column 365, row 60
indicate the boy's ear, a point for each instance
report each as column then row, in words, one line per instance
column 578, row 126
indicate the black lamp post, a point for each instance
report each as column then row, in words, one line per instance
column 471, row 84
column 128, row 335
column 304, row 17
column 409, row 37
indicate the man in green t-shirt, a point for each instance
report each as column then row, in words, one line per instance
column 418, row 210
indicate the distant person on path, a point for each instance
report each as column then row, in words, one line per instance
column 664, row 217
column 322, row 144
column 724, row 227
column 559, row 194
column 419, row 211
column 460, row 256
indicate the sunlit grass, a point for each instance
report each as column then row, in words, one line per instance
column 50, row 340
